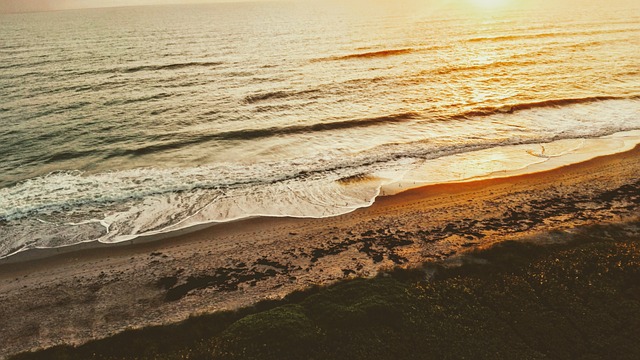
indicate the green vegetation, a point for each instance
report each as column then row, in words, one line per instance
column 575, row 300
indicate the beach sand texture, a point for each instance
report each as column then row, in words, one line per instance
column 81, row 295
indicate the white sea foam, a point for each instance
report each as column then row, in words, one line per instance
column 153, row 201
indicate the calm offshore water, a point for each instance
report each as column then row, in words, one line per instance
column 120, row 122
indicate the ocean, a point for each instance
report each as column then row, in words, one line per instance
column 122, row 122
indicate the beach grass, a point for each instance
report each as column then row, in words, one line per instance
column 577, row 298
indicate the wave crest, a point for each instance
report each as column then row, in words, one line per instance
column 508, row 109
column 371, row 54
column 251, row 134
column 260, row 97
column 171, row 66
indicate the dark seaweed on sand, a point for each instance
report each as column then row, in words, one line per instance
column 576, row 299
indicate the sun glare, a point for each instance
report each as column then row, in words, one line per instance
column 489, row 4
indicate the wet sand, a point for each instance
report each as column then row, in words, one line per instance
column 84, row 294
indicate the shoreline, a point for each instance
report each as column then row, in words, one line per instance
column 599, row 147
column 78, row 296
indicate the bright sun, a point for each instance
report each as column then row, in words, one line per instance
column 489, row 4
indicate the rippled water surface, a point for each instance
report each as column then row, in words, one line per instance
column 126, row 121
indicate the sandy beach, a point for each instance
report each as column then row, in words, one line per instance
column 80, row 295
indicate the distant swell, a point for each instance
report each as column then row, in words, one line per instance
column 498, row 64
column 302, row 129
column 548, row 35
column 255, row 98
column 30, row 64
column 138, row 99
column 373, row 54
column 170, row 66
column 250, row 134
column 491, row 110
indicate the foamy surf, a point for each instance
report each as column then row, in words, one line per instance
column 167, row 213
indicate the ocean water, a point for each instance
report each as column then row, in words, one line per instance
column 121, row 122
